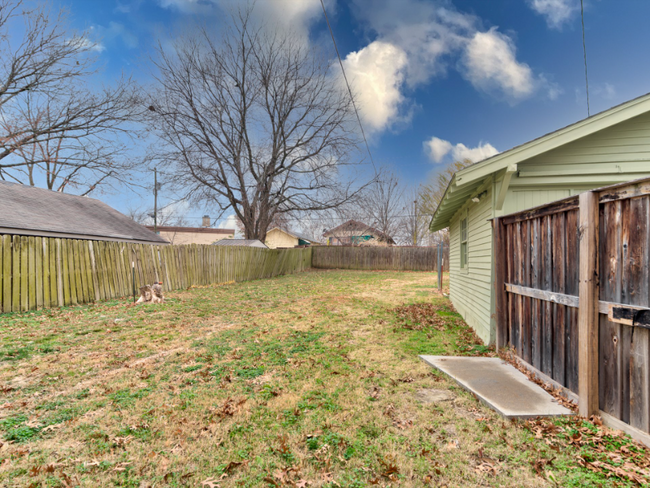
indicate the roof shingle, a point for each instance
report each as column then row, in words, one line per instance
column 25, row 210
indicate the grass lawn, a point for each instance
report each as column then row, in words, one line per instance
column 304, row 380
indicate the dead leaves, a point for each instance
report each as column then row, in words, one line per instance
column 290, row 476
column 420, row 316
column 509, row 356
column 398, row 422
column 210, row 483
column 230, row 407
column 599, row 449
column 486, row 465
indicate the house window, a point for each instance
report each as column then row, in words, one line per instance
column 463, row 243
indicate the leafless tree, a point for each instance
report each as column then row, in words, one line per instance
column 382, row 204
column 255, row 122
column 54, row 131
column 414, row 228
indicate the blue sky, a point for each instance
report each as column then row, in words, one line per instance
column 436, row 79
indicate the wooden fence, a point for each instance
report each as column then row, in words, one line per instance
column 38, row 272
column 384, row 258
column 572, row 296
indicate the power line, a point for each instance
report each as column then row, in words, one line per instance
column 311, row 219
column 584, row 50
column 338, row 55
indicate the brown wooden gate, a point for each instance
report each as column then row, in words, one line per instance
column 572, row 296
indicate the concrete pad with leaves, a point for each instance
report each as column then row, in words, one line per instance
column 499, row 385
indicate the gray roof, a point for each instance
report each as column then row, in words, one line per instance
column 241, row 242
column 25, row 210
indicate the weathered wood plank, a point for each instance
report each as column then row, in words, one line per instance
column 525, row 302
column 572, row 286
column 38, row 254
column 560, row 206
column 559, row 320
column 547, row 315
column 31, row 280
column 16, row 276
column 60, row 287
column 625, row 339
column 500, row 269
column 536, row 305
column 546, row 295
column 588, row 313
column 7, row 270
column 46, row 272
column 24, row 273
column 635, row 283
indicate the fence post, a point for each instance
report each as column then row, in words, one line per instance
column 440, row 250
column 500, row 295
column 588, row 311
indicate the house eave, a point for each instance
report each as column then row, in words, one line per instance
column 473, row 176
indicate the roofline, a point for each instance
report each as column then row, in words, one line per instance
column 552, row 140
column 87, row 237
column 197, row 230
column 380, row 234
column 304, row 238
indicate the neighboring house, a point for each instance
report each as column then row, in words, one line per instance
column 241, row 242
column 281, row 238
column 353, row 233
column 30, row 211
column 610, row 147
column 192, row 235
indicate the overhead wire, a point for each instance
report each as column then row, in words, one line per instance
column 584, row 50
column 356, row 111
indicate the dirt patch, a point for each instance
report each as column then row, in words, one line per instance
column 432, row 395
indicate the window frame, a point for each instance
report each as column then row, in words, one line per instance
column 464, row 242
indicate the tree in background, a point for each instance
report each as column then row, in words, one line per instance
column 431, row 194
column 382, row 204
column 255, row 123
column 55, row 132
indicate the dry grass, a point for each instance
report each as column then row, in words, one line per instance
column 305, row 380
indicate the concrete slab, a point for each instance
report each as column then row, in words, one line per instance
column 499, row 385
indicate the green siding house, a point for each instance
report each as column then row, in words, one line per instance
column 610, row 147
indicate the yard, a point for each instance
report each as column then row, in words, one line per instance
column 304, row 380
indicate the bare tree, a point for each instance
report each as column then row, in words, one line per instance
column 54, row 131
column 432, row 193
column 255, row 123
column 382, row 205
column 414, row 229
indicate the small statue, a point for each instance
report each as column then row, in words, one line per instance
column 151, row 294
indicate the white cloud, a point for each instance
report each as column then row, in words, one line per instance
column 436, row 37
column 230, row 222
column 427, row 31
column 606, row 91
column 437, row 149
column 86, row 44
column 187, row 6
column 117, row 30
column 490, row 64
column 460, row 152
column 557, row 12
column 376, row 74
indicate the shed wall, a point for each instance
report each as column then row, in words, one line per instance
column 277, row 238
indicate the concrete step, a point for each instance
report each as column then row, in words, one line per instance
column 499, row 385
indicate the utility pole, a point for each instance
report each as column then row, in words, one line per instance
column 155, row 200
column 415, row 223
